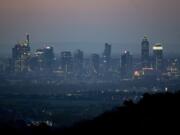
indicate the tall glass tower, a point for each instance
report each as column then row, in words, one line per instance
column 158, row 57
column 145, row 52
column 126, row 65
column 107, row 56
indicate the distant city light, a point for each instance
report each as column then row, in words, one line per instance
column 137, row 73
column 48, row 47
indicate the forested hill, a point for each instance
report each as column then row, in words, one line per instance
column 154, row 112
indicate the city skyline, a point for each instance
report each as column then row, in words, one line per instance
column 69, row 63
column 104, row 66
column 67, row 46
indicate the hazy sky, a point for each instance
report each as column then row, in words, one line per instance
column 122, row 22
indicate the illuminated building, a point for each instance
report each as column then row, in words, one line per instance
column 21, row 54
column 145, row 73
column 145, row 52
column 158, row 57
column 173, row 69
column 126, row 65
column 21, row 48
column 48, row 57
column 44, row 58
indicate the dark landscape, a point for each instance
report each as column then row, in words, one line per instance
column 154, row 113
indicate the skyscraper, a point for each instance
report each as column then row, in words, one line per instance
column 44, row 59
column 95, row 62
column 48, row 57
column 20, row 54
column 145, row 60
column 126, row 65
column 107, row 57
column 78, row 62
column 66, row 62
column 158, row 57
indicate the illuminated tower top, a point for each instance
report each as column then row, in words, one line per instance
column 158, row 47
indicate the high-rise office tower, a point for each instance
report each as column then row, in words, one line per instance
column 20, row 54
column 145, row 60
column 66, row 62
column 95, row 63
column 78, row 62
column 158, row 57
column 48, row 57
column 43, row 59
column 107, row 57
column 126, row 65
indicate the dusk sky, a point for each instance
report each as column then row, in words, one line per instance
column 90, row 23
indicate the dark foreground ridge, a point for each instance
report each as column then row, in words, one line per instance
column 154, row 112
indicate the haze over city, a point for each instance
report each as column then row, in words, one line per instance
column 89, row 66
column 88, row 24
